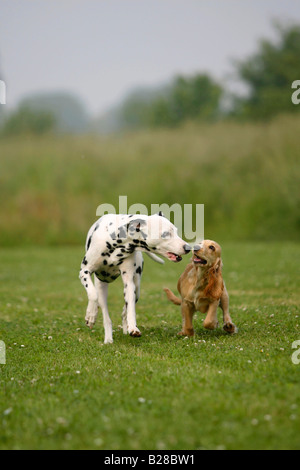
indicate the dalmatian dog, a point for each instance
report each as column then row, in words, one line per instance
column 114, row 247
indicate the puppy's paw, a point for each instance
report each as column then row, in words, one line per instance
column 230, row 328
column 210, row 325
column 188, row 332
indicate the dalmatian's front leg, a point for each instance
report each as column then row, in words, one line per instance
column 102, row 290
column 92, row 308
column 131, row 280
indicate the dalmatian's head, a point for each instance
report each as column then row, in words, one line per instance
column 163, row 239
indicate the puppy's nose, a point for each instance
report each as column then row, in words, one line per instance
column 187, row 248
column 196, row 247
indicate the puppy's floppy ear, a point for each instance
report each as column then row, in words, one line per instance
column 218, row 266
column 214, row 287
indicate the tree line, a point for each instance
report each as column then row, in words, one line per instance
column 268, row 75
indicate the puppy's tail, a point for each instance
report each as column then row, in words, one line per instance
column 172, row 297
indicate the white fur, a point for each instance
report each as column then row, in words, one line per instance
column 114, row 247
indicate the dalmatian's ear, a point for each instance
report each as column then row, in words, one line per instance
column 160, row 213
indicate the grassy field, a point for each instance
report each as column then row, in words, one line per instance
column 247, row 175
column 61, row 388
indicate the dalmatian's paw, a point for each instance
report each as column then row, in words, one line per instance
column 135, row 332
column 108, row 340
column 90, row 321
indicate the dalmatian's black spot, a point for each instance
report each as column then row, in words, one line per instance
column 119, row 241
column 120, row 262
column 86, row 272
column 108, row 245
column 140, row 222
column 123, row 272
column 110, row 223
column 89, row 242
column 122, row 232
column 84, row 279
column 84, row 261
column 105, row 262
column 136, row 241
column 111, row 251
column 138, row 270
column 111, row 265
column 120, row 255
column 86, row 286
column 165, row 234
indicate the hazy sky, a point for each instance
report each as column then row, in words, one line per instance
column 101, row 49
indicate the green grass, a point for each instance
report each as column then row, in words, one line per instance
column 159, row 391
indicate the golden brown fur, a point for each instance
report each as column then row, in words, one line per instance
column 202, row 288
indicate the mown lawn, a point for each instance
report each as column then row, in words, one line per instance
column 61, row 388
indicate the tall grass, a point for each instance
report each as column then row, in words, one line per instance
column 247, row 175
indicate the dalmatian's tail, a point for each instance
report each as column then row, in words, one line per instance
column 155, row 258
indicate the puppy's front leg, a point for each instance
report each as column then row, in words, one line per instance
column 187, row 311
column 224, row 304
column 211, row 320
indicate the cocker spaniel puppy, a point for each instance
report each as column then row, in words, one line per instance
column 202, row 289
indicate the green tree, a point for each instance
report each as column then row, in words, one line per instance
column 269, row 75
column 197, row 97
column 27, row 121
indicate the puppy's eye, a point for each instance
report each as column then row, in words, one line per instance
column 211, row 247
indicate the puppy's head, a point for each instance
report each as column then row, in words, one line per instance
column 207, row 257
column 207, row 254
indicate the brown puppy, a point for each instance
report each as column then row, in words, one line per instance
column 202, row 288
